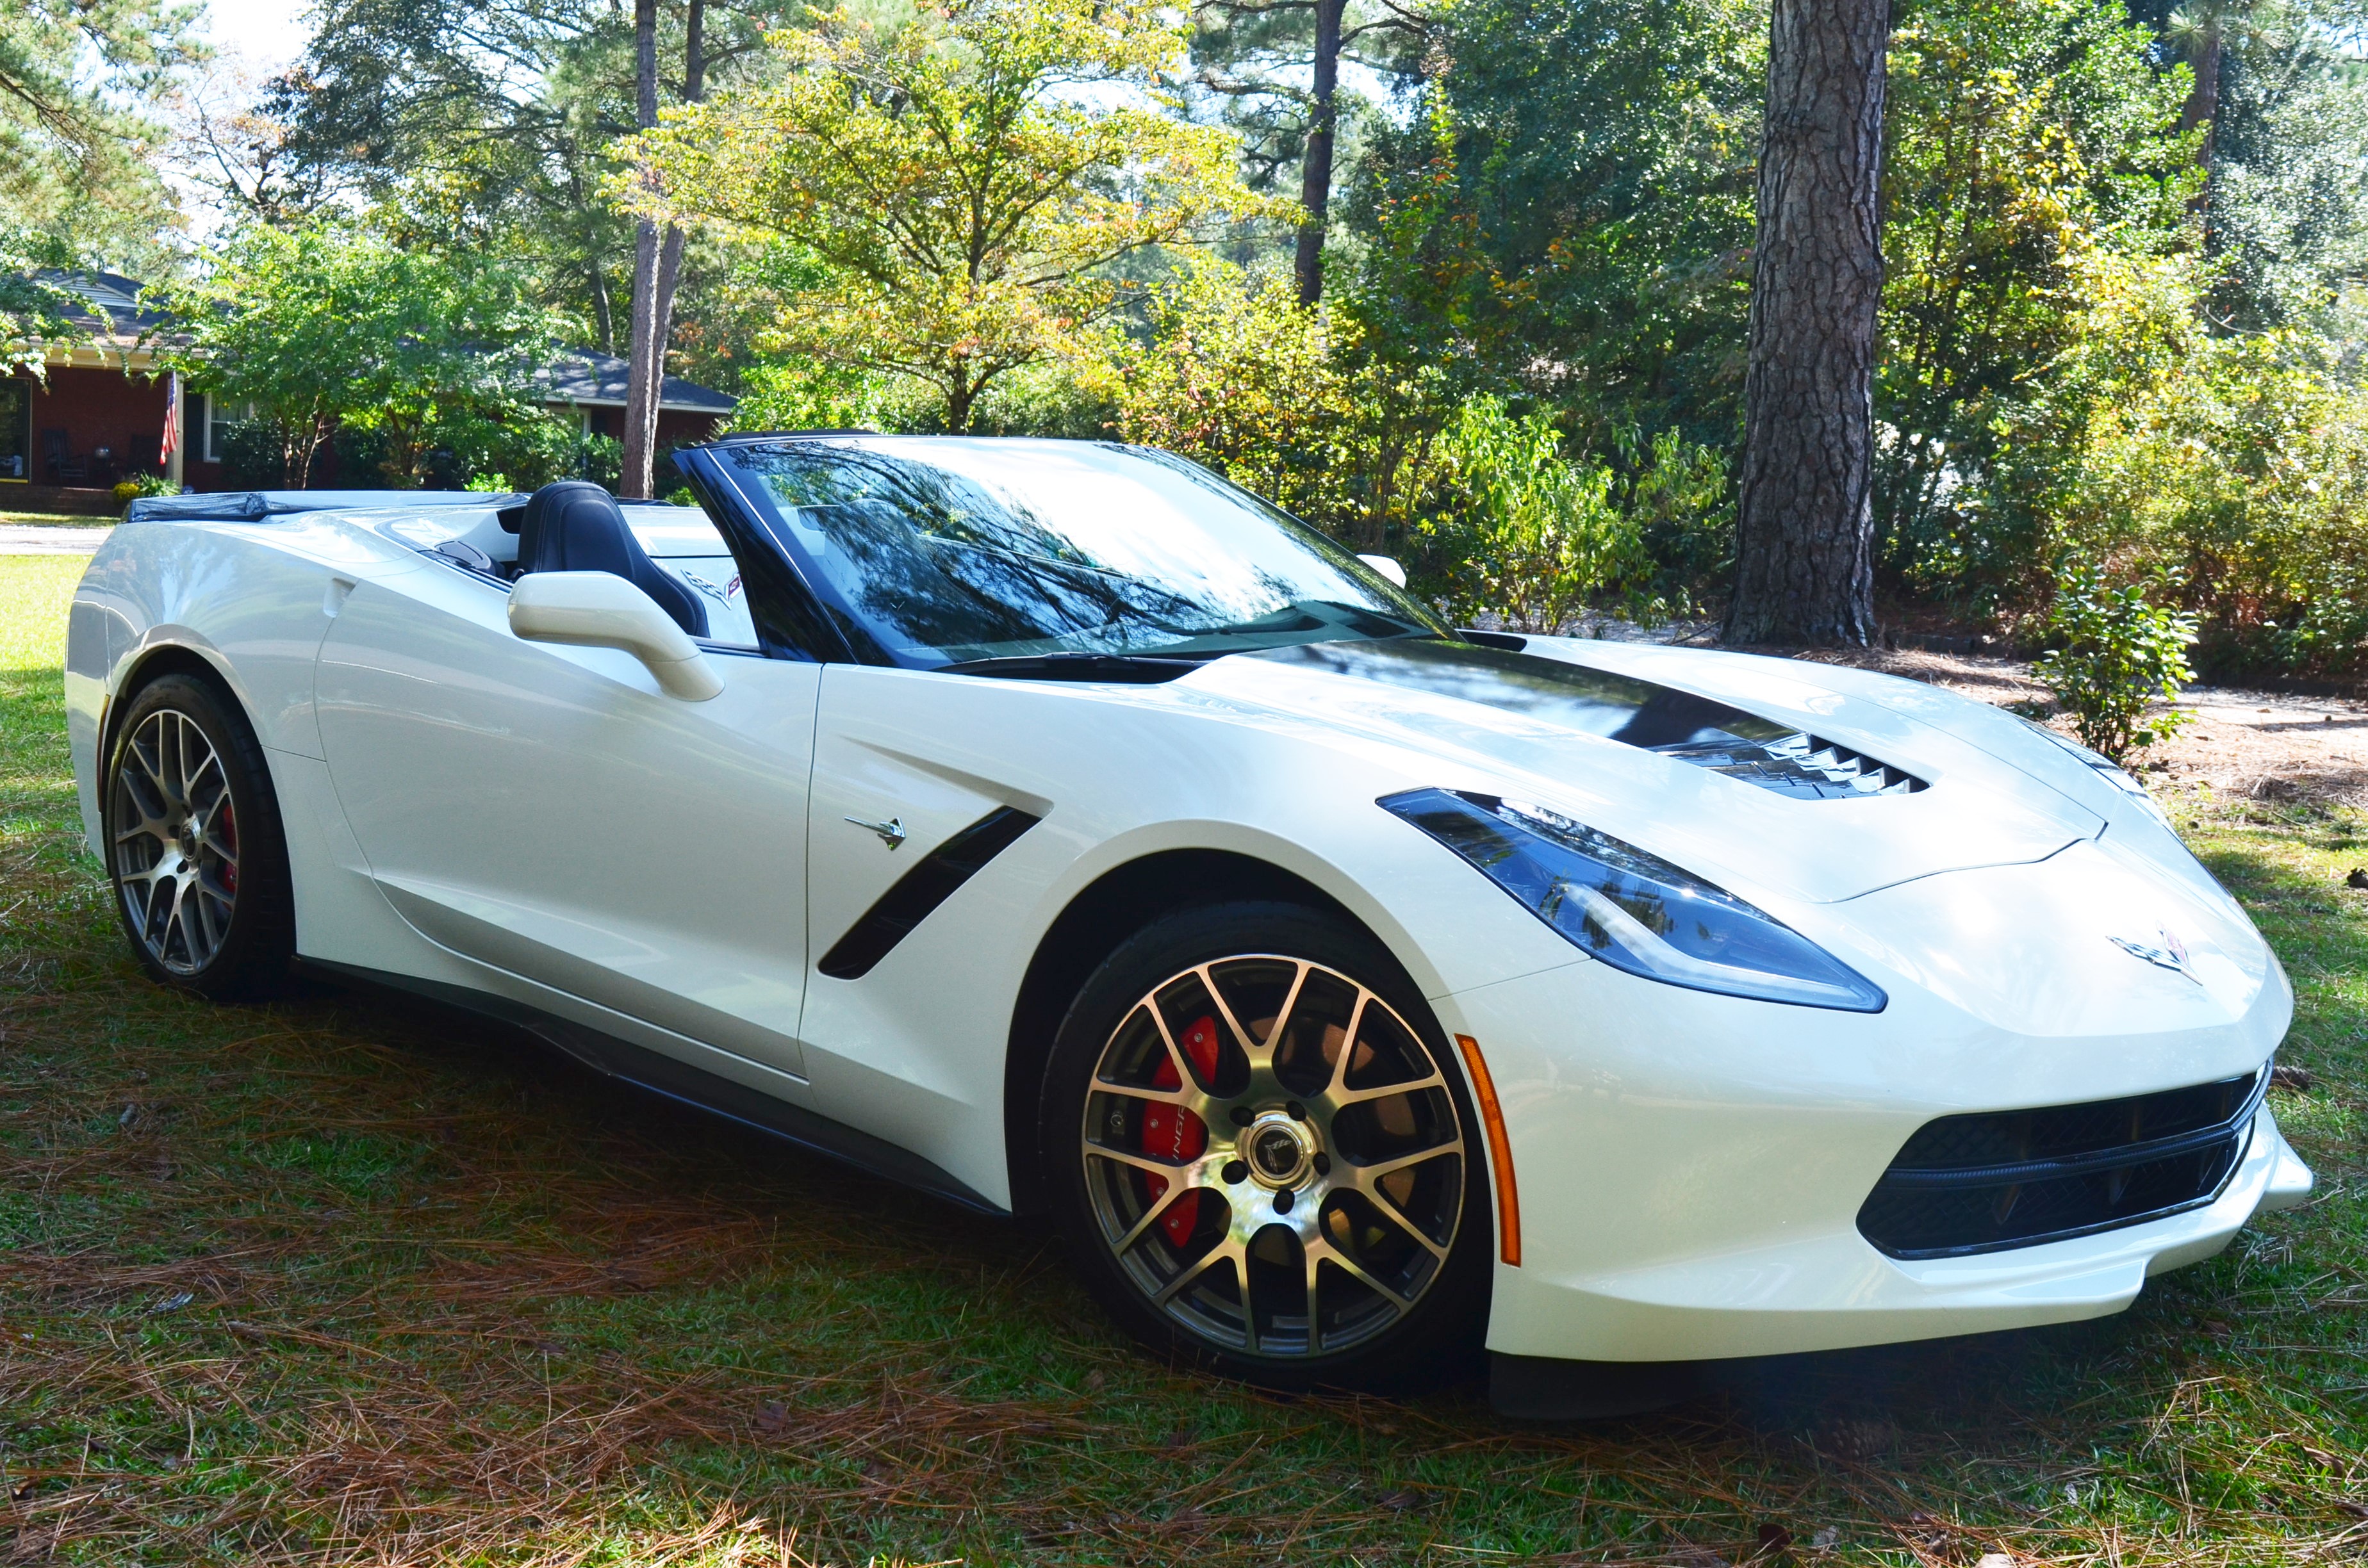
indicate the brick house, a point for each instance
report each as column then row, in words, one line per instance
column 98, row 414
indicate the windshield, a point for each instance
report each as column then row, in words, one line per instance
column 951, row 550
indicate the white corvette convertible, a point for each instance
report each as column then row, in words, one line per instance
column 1056, row 829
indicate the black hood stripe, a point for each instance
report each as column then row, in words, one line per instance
column 1641, row 713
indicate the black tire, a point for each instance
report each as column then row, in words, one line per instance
column 195, row 852
column 1400, row 1295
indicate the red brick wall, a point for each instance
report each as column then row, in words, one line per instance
column 673, row 424
column 98, row 408
column 106, row 408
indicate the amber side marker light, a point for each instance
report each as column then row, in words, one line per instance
column 1500, row 1151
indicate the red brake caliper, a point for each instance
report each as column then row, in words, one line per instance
column 230, row 836
column 1171, row 1132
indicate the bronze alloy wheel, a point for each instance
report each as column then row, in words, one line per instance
column 1273, row 1157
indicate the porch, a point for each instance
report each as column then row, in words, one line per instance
column 70, row 500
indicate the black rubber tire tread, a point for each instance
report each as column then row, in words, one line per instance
column 1440, row 1339
column 255, row 961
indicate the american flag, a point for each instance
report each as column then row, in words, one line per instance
column 171, row 415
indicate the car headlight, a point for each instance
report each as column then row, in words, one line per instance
column 1633, row 910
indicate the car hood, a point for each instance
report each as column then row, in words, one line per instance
column 1750, row 770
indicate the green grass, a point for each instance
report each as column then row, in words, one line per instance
column 335, row 1280
column 59, row 519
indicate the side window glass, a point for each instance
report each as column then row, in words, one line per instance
column 689, row 548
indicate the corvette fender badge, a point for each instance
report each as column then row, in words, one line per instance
column 2171, row 955
column 891, row 831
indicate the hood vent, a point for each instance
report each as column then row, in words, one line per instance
column 1802, row 767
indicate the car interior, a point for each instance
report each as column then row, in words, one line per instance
column 672, row 554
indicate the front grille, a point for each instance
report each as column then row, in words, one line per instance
column 1970, row 1184
column 1804, row 767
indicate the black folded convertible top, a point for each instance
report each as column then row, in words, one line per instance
column 254, row 505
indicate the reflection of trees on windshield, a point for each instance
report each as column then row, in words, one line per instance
column 949, row 565
column 938, row 561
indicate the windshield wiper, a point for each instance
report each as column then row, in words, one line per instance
column 1139, row 669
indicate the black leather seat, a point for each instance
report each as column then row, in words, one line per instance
column 576, row 526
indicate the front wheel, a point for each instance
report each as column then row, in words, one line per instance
column 1263, row 1158
column 194, row 845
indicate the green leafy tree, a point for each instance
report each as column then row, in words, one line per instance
column 327, row 329
column 965, row 177
column 80, row 83
column 493, row 122
column 1567, row 213
column 34, row 305
column 2037, row 180
column 1233, row 372
column 2288, row 210
column 1274, row 65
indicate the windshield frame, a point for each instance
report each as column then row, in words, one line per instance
column 727, row 484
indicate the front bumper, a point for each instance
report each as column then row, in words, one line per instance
column 1826, row 1293
column 1691, row 1167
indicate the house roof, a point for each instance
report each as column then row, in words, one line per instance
column 109, row 313
column 105, row 305
column 590, row 378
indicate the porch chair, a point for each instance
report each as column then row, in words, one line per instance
column 59, row 454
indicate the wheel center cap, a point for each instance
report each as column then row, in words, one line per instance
column 1277, row 1150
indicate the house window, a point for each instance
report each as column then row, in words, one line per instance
column 217, row 415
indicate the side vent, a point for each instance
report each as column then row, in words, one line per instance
column 1800, row 766
column 929, row 884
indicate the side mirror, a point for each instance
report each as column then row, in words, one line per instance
column 600, row 609
column 1387, row 567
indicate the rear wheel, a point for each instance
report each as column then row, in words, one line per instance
column 1262, row 1157
column 194, row 845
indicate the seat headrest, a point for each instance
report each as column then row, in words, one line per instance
column 576, row 526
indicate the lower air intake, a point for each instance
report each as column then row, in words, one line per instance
column 1971, row 1184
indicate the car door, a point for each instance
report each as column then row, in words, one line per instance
column 548, row 810
column 919, row 934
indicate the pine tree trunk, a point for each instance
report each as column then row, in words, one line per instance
column 1315, row 161
column 602, row 320
column 643, row 355
column 2203, row 106
column 694, row 88
column 1805, row 569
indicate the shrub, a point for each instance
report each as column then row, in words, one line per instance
column 2117, row 653
column 253, row 454
column 1678, row 496
column 1539, row 535
column 793, row 392
column 2244, row 470
column 127, row 491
